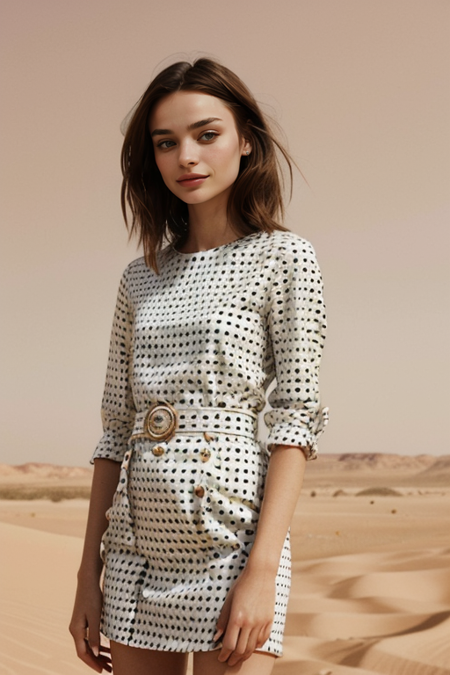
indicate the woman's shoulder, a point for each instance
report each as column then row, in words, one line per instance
column 285, row 242
column 134, row 269
column 138, row 268
column 136, row 276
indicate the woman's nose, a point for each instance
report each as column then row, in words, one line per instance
column 188, row 153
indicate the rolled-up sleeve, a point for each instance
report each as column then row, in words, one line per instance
column 118, row 410
column 297, row 328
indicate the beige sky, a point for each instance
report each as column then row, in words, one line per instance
column 361, row 89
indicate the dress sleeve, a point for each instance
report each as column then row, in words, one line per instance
column 118, row 410
column 297, row 329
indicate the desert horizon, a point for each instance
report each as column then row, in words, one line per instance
column 370, row 561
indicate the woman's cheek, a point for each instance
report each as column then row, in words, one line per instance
column 164, row 170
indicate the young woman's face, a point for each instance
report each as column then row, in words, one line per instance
column 197, row 146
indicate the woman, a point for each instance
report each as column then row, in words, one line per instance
column 195, row 542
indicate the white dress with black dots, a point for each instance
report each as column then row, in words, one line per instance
column 212, row 330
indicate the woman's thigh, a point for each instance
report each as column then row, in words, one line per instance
column 128, row 660
column 206, row 663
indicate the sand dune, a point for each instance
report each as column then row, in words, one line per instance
column 35, row 471
column 355, row 616
column 38, row 583
column 349, row 620
column 370, row 592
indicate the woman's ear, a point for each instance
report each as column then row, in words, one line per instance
column 246, row 149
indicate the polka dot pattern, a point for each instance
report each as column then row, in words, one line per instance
column 212, row 330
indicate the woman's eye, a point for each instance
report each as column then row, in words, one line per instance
column 165, row 144
column 208, row 135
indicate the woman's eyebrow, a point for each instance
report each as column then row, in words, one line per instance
column 194, row 125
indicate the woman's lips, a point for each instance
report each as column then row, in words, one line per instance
column 190, row 180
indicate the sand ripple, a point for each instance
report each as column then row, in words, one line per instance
column 383, row 613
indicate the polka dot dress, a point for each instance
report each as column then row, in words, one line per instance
column 207, row 335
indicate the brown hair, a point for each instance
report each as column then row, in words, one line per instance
column 256, row 199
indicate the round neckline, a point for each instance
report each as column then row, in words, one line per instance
column 208, row 251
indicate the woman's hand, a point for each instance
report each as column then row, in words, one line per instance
column 247, row 615
column 85, row 627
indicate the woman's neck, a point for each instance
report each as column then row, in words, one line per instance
column 208, row 228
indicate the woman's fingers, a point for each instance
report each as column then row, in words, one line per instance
column 252, row 642
column 97, row 663
column 241, row 646
column 93, row 638
column 85, row 653
column 223, row 619
column 264, row 635
column 105, row 658
column 245, row 646
column 89, row 649
column 239, row 643
column 229, row 641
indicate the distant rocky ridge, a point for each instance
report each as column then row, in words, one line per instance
column 378, row 461
column 379, row 469
column 36, row 480
column 441, row 465
column 38, row 471
column 345, row 462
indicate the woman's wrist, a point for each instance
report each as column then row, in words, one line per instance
column 263, row 562
column 90, row 573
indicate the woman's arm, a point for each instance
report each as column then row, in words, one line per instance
column 248, row 612
column 283, row 485
column 296, row 326
column 88, row 600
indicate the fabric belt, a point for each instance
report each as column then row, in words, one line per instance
column 162, row 420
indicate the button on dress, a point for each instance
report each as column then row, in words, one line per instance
column 211, row 331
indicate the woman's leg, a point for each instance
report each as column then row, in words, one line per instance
column 206, row 663
column 127, row 660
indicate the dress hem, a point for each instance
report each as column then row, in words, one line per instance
column 187, row 651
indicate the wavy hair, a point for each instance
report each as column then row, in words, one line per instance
column 256, row 199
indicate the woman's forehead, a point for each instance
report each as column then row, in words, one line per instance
column 184, row 108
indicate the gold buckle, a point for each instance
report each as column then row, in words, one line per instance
column 160, row 421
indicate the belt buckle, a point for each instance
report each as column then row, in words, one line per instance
column 160, row 421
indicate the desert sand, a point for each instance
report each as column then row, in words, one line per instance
column 371, row 573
